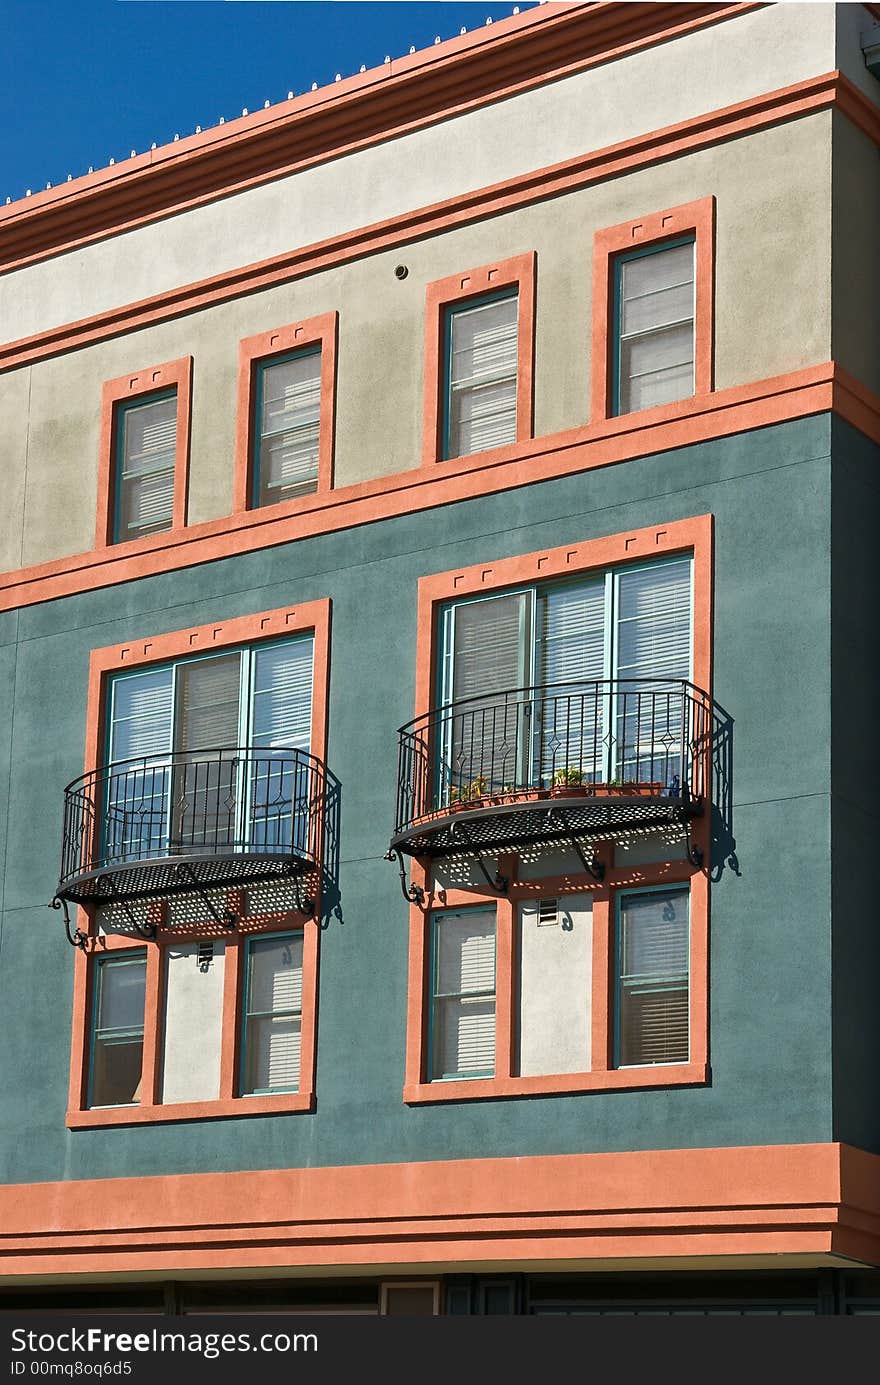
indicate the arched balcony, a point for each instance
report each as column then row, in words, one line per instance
column 165, row 825
column 553, row 764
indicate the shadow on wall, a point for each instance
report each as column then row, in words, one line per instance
column 331, row 897
column 723, row 847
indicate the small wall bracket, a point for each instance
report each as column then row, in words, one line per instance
column 76, row 937
column 413, row 894
column 694, row 852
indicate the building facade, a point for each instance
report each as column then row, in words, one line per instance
column 435, row 621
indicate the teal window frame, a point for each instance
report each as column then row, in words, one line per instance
column 622, row 895
column 247, row 1015
column 122, row 410
column 433, row 969
column 619, row 261
column 120, row 1034
column 260, row 367
column 450, row 311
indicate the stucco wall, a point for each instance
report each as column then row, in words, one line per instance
column 770, row 952
column 772, row 315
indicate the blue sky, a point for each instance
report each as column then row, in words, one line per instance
column 84, row 81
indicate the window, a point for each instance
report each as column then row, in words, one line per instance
column 653, row 308
column 653, row 947
column 271, row 1043
column 144, row 473
column 598, row 980
column 654, row 326
column 528, row 671
column 144, row 453
column 216, row 1014
column 481, row 374
column 479, row 350
column 192, row 743
column 286, row 409
column 117, row 1029
column 285, row 463
column 463, row 1000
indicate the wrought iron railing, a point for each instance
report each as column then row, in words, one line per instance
column 198, row 806
column 647, row 736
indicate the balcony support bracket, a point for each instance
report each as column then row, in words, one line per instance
column 497, row 881
column 76, row 937
column 413, row 894
column 592, row 865
column 228, row 918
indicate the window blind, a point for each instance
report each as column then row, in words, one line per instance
column 653, row 641
column 483, row 350
column 486, row 737
column 281, row 714
column 653, row 952
column 289, row 431
column 141, row 720
column 656, row 327
column 570, row 648
column 146, row 468
column 273, row 1028
column 463, row 1040
column 208, row 700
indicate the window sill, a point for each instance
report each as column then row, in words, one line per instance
column 282, row 1104
column 560, row 1084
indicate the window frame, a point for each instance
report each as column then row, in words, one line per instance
column 656, row 231
column 617, row 977
column 269, row 626
column 132, row 954
column 444, row 296
column 269, row 348
column 693, row 537
column 435, row 916
column 138, row 388
column 247, row 1014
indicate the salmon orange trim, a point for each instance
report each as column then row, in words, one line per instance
column 518, row 273
column 175, row 375
column 318, row 331
column 815, row 1200
column 221, row 634
column 818, row 389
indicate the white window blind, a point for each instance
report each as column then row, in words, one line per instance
column 145, row 468
column 489, row 659
column 653, row 952
column 282, row 694
column 654, row 621
column 289, row 428
column 463, row 1032
column 273, row 1022
column 570, row 648
column 656, row 327
column 483, row 350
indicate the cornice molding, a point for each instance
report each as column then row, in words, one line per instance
column 812, row 1200
column 409, row 93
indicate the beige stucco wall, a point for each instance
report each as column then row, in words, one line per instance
column 724, row 64
column 555, row 971
column 856, row 253
column 772, row 315
column 193, row 1024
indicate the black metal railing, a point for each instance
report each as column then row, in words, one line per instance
column 638, row 737
column 205, row 806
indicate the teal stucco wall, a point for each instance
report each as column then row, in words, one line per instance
column 770, row 954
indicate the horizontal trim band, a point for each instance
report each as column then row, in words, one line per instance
column 815, row 390
column 411, row 93
column 789, row 103
column 819, row 1199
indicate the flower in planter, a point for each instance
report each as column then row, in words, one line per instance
column 569, row 777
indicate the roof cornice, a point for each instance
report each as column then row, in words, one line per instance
column 514, row 54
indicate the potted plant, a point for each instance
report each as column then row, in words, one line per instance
column 568, row 783
column 628, row 788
